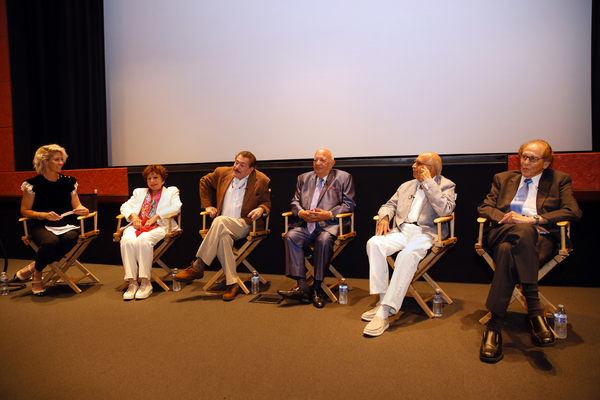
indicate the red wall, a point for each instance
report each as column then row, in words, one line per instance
column 7, row 161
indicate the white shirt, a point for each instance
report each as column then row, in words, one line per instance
column 234, row 197
column 416, row 206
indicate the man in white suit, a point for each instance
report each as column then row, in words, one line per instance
column 414, row 207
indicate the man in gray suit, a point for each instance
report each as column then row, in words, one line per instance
column 413, row 207
column 320, row 196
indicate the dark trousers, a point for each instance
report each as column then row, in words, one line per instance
column 518, row 251
column 296, row 240
column 52, row 247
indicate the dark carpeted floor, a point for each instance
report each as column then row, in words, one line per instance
column 192, row 345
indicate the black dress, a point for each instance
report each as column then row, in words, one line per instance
column 52, row 196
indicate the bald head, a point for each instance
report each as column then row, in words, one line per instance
column 323, row 162
column 429, row 160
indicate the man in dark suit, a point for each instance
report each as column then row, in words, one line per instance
column 320, row 196
column 242, row 196
column 524, row 207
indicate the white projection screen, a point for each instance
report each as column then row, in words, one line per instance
column 192, row 81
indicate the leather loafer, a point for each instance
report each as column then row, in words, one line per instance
column 317, row 299
column 231, row 292
column 190, row 273
column 491, row 347
column 541, row 334
column 295, row 294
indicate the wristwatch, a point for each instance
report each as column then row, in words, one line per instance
column 537, row 219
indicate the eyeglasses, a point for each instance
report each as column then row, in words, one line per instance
column 532, row 160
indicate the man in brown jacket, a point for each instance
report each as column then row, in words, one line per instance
column 242, row 195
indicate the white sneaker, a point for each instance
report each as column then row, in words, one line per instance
column 376, row 327
column 144, row 291
column 369, row 315
column 130, row 293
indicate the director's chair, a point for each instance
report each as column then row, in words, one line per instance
column 57, row 273
column 159, row 250
column 340, row 243
column 562, row 253
column 433, row 255
column 252, row 240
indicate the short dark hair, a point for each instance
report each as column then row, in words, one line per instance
column 249, row 156
column 547, row 155
column 159, row 169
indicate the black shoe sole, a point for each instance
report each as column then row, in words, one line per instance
column 491, row 360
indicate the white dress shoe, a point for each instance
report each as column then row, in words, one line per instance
column 143, row 292
column 130, row 293
column 376, row 327
column 369, row 315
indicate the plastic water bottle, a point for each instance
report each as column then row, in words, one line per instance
column 4, row 284
column 176, row 285
column 560, row 322
column 255, row 281
column 343, row 292
column 437, row 304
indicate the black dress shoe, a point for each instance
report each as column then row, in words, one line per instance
column 491, row 347
column 541, row 334
column 317, row 299
column 295, row 294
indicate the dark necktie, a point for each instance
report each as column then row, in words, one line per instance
column 517, row 204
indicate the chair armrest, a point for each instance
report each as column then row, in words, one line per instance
column 341, row 217
column 264, row 231
column 565, row 231
column 119, row 232
column 442, row 220
column 286, row 215
column 82, row 218
column 479, row 243
column 203, row 231
column 170, row 221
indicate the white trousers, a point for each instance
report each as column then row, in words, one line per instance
column 137, row 252
column 219, row 243
column 412, row 245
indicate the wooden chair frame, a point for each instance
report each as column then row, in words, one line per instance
column 58, row 269
column 169, row 239
column 562, row 253
column 433, row 255
column 340, row 243
column 252, row 240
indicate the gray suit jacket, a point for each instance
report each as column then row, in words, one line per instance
column 439, row 202
column 336, row 196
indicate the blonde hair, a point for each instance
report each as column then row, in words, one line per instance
column 45, row 153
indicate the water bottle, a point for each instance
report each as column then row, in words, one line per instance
column 4, row 284
column 560, row 322
column 437, row 304
column 176, row 285
column 343, row 292
column 255, row 281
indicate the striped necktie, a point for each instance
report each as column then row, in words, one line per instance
column 517, row 204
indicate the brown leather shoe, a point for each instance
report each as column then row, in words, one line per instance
column 190, row 273
column 231, row 292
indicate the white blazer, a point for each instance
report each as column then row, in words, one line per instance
column 169, row 204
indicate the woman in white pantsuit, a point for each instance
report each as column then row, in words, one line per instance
column 146, row 211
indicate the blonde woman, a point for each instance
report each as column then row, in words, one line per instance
column 46, row 198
